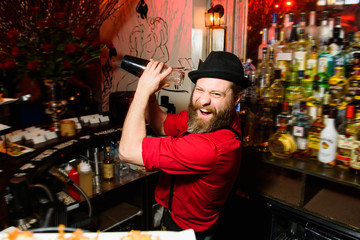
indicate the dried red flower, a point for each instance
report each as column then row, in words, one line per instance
column 42, row 23
column 60, row 16
column 108, row 44
column 9, row 63
column 69, row 48
column 78, row 32
column 13, row 34
column 66, row 64
column 35, row 11
column 33, row 65
column 47, row 47
column 16, row 51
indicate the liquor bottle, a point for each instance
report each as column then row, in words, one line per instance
column 271, row 32
column 345, row 139
column 314, row 134
column 354, row 80
column 328, row 141
column 311, row 61
column 277, row 92
column 338, row 25
column 108, row 166
column 289, row 26
column 335, row 42
column 281, row 143
column 356, row 103
column 291, row 82
column 354, row 47
column 302, row 24
column 261, row 56
column 323, row 30
column 339, row 59
column 301, row 127
column 136, row 66
column 285, row 24
column 354, row 164
column 285, row 113
column 263, row 127
column 282, row 57
column 311, row 29
column 320, row 88
column 265, row 91
column 299, row 93
column 271, row 63
column 338, row 87
column 302, row 48
column 247, row 118
column 307, row 84
column 325, row 61
column 262, row 71
column 330, row 28
column 291, row 44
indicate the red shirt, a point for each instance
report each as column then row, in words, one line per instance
column 206, row 166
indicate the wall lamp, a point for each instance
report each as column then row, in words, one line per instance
column 213, row 15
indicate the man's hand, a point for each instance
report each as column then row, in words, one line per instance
column 150, row 80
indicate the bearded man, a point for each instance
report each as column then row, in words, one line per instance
column 200, row 156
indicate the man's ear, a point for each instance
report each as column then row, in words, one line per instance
column 238, row 99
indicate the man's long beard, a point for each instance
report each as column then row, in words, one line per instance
column 218, row 120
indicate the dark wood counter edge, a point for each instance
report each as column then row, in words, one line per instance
column 306, row 166
column 303, row 166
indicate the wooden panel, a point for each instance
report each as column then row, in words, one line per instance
column 336, row 205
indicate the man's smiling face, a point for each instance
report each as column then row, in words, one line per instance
column 212, row 105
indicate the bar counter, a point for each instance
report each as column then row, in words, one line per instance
column 35, row 164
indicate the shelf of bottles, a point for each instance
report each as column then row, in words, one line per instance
column 304, row 101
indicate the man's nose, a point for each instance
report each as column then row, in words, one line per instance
column 205, row 99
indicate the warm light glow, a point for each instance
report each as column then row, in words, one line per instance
column 288, row 3
column 212, row 19
column 277, row 6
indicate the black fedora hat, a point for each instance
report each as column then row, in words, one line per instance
column 223, row 65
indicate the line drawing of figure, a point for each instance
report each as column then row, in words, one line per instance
column 149, row 38
column 108, row 73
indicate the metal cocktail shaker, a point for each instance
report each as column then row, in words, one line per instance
column 136, row 66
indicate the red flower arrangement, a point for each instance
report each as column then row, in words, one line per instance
column 53, row 39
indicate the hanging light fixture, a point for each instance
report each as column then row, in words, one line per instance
column 213, row 15
column 332, row 6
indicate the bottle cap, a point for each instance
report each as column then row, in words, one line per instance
column 350, row 110
column 274, row 17
column 84, row 167
column 68, row 168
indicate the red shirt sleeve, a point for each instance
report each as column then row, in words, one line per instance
column 180, row 155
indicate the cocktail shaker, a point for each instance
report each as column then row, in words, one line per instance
column 136, row 66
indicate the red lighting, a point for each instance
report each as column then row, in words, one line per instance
column 288, row 3
column 277, row 5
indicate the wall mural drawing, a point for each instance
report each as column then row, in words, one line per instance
column 151, row 29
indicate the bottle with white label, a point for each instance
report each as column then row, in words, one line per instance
column 345, row 139
column 302, row 49
column 328, row 141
